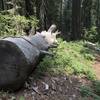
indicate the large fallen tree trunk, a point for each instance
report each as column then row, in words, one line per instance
column 19, row 56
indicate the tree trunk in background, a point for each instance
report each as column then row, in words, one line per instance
column 86, row 17
column 98, row 19
column 21, row 4
column 98, row 13
column 29, row 7
column 2, row 4
column 76, row 24
column 66, row 18
column 43, row 14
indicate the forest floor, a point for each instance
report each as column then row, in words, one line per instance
column 57, row 87
column 43, row 84
column 54, row 88
column 60, row 87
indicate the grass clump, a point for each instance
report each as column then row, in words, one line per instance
column 69, row 58
column 91, row 91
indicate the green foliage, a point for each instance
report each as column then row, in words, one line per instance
column 96, row 87
column 93, row 91
column 91, row 34
column 14, row 24
column 22, row 98
column 69, row 59
column 33, row 21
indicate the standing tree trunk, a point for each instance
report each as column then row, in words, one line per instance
column 29, row 7
column 2, row 4
column 87, row 7
column 98, row 19
column 76, row 24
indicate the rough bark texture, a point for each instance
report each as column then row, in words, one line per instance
column 76, row 24
column 19, row 56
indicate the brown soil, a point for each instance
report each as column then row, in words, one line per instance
column 49, row 87
column 96, row 67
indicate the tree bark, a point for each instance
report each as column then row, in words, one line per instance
column 87, row 7
column 20, row 55
column 76, row 25
column 2, row 4
column 29, row 8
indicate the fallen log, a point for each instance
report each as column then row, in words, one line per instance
column 20, row 55
column 93, row 46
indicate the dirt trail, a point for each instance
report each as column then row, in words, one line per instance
column 96, row 67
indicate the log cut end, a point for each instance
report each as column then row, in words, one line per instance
column 12, row 65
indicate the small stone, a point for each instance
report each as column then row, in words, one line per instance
column 53, row 87
column 74, row 96
column 70, row 98
column 46, row 86
column 60, row 89
column 52, row 92
column 70, row 81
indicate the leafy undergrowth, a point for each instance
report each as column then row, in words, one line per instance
column 69, row 58
column 13, row 25
column 92, row 91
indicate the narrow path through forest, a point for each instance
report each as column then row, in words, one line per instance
column 96, row 67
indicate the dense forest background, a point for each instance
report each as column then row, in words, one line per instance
column 76, row 19
column 71, row 67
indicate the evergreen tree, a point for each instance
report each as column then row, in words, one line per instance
column 76, row 21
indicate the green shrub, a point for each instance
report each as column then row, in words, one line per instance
column 96, row 87
column 91, row 34
column 68, row 59
column 93, row 90
column 14, row 24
